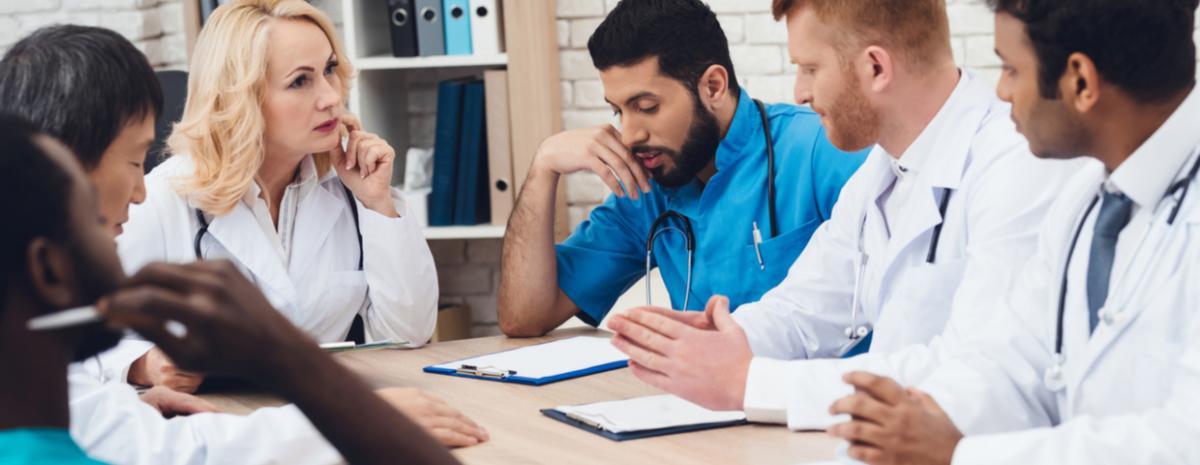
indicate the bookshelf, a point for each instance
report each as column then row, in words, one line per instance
column 381, row 92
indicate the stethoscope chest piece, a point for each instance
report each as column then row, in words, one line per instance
column 1054, row 375
column 855, row 333
column 1109, row 316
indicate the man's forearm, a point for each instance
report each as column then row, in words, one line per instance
column 360, row 424
column 528, row 281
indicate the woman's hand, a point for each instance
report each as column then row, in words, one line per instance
column 365, row 166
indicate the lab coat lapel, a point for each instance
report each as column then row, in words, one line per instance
column 1149, row 293
column 239, row 233
column 319, row 212
column 951, row 138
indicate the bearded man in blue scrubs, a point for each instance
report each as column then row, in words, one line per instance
column 690, row 161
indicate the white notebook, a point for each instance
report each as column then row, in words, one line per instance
column 646, row 413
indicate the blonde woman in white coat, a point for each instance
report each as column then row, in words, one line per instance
column 259, row 175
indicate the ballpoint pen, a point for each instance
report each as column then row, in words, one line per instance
column 757, row 242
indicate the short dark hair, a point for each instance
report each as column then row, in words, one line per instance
column 80, row 84
column 683, row 34
column 1144, row 47
column 34, row 196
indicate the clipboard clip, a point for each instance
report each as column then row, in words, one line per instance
column 485, row 372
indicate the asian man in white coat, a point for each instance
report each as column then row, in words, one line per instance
column 945, row 211
column 1095, row 356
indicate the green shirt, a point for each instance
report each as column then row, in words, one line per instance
column 41, row 446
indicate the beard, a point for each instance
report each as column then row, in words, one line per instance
column 853, row 124
column 94, row 282
column 698, row 150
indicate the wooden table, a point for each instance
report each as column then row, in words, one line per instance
column 520, row 434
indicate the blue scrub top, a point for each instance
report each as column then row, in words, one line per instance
column 606, row 254
column 41, row 446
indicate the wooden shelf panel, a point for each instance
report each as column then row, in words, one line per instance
column 444, row 61
column 482, row 231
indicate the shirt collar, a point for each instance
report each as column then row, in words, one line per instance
column 1147, row 174
column 745, row 133
column 947, row 137
column 306, row 179
column 913, row 160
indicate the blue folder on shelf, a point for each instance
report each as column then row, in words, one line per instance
column 456, row 19
column 539, row 364
column 445, row 153
column 643, row 417
column 472, row 195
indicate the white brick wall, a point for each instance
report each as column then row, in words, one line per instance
column 154, row 26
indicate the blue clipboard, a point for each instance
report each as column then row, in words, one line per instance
column 650, row 433
column 465, row 369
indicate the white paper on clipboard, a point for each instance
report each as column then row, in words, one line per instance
column 547, row 359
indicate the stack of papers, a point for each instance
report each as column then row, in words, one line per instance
column 646, row 414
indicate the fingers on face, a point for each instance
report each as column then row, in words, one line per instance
column 619, row 165
column 606, row 175
column 613, row 141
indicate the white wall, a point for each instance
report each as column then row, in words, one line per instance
column 154, row 26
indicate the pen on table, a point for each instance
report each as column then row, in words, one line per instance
column 757, row 242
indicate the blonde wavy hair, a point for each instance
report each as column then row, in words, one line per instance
column 223, row 127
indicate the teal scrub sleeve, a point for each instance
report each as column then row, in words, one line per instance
column 603, row 258
column 41, row 446
column 831, row 169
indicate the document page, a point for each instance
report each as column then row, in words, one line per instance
column 548, row 359
column 646, row 413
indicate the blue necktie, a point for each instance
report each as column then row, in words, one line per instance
column 1114, row 215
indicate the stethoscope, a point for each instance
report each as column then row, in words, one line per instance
column 661, row 224
column 353, row 213
column 1053, row 377
column 858, row 330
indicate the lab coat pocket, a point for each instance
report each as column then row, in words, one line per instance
column 925, row 294
column 778, row 255
column 1153, row 371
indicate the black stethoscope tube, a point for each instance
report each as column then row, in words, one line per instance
column 353, row 213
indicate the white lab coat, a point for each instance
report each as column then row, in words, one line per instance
column 112, row 424
column 1131, row 388
column 320, row 289
column 1001, row 194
